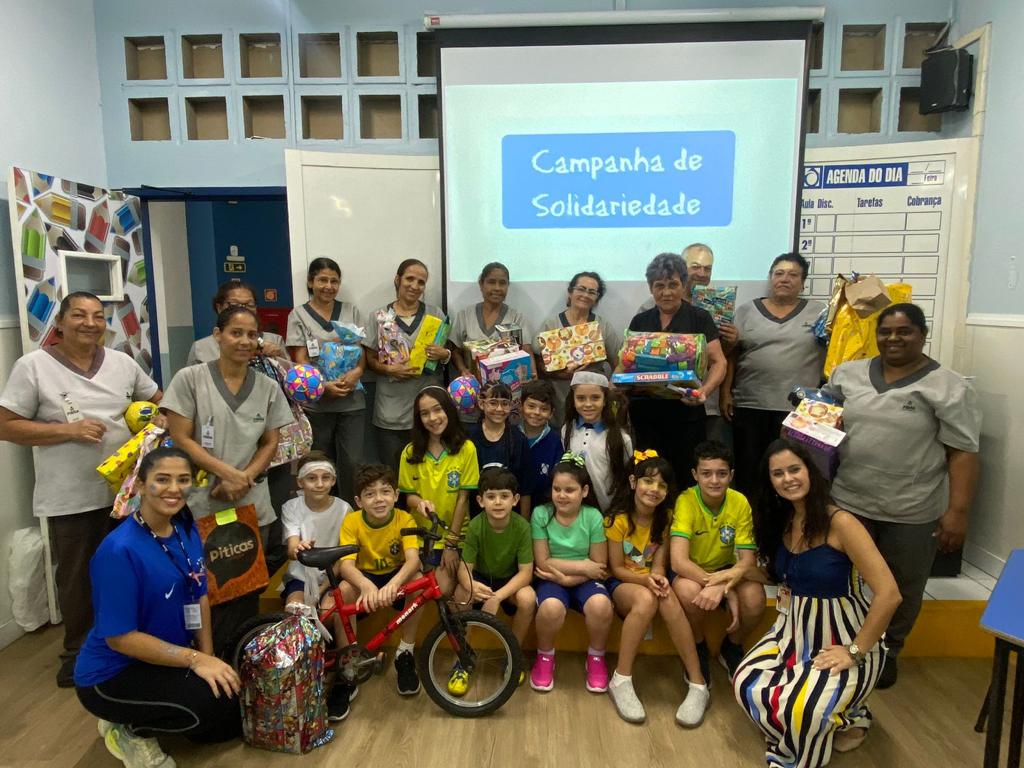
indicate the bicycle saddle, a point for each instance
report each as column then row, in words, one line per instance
column 324, row 557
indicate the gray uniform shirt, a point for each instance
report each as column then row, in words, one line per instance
column 239, row 421
column 41, row 385
column 206, row 350
column 302, row 325
column 775, row 354
column 392, row 405
column 469, row 324
column 892, row 464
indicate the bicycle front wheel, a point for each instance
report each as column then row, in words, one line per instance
column 495, row 664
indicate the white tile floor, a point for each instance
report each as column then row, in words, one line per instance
column 972, row 584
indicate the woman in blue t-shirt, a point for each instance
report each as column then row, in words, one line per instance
column 147, row 665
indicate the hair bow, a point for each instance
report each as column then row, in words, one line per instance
column 639, row 456
column 573, row 458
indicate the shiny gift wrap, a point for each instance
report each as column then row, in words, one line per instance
column 283, row 694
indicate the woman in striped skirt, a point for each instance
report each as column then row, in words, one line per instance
column 805, row 683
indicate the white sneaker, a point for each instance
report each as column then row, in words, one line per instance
column 135, row 751
column 691, row 712
column 626, row 702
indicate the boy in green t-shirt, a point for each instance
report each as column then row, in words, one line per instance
column 712, row 529
column 498, row 555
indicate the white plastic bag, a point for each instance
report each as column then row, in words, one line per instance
column 28, row 579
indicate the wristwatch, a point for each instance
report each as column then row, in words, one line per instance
column 857, row 654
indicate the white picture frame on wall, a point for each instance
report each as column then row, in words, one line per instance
column 84, row 271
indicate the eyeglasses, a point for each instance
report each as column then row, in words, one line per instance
column 585, row 291
column 250, row 305
column 496, row 402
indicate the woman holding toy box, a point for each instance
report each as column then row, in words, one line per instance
column 585, row 291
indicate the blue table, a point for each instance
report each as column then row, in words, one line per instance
column 1004, row 618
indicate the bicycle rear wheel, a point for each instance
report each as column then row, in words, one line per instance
column 245, row 632
column 495, row 663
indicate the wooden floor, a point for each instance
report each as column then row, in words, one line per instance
column 924, row 722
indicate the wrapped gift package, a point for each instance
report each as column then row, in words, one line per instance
column 432, row 330
column 580, row 344
column 392, row 347
column 719, row 302
column 665, row 352
column 283, row 698
column 336, row 359
column 115, row 468
column 815, row 424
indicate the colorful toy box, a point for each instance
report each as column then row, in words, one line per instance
column 719, row 302
column 511, row 368
column 815, row 424
column 580, row 344
column 665, row 352
column 668, row 384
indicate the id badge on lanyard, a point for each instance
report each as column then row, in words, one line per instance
column 206, row 436
column 71, row 412
column 313, row 347
column 783, row 599
column 193, row 617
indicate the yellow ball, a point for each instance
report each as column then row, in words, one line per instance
column 139, row 414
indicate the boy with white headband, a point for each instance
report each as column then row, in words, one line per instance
column 312, row 519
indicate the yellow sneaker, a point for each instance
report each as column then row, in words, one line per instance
column 458, row 681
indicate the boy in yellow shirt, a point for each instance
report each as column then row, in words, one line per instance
column 712, row 529
column 386, row 560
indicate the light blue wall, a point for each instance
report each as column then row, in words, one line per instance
column 999, row 225
column 242, row 162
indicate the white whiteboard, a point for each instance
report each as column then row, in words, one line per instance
column 899, row 211
column 368, row 213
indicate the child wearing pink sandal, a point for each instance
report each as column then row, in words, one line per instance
column 570, row 555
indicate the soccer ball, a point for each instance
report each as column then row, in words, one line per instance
column 304, row 383
column 139, row 414
column 464, row 391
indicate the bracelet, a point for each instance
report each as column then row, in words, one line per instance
column 191, row 661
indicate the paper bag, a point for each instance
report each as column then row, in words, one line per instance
column 867, row 296
column 233, row 551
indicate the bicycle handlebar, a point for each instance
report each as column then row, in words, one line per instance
column 423, row 533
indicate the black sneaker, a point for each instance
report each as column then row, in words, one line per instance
column 730, row 655
column 408, row 680
column 704, row 657
column 66, row 674
column 337, row 702
column 889, row 672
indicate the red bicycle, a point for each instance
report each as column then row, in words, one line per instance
column 483, row 645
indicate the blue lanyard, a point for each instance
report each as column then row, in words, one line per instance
column 193, row 576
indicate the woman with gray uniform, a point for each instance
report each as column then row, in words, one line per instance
column 338, row 418
column 69, row 401
column 776, row 351
column 226, row 417
column 398, row 384
column 908, row 467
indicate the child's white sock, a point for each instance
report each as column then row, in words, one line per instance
column 618, row 679
column 546, row 653
column 594, row 652
column 404, row 647
column 692, row 684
